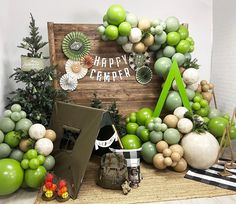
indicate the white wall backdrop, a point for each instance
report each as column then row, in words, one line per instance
column 14, row 20
column 223, row 72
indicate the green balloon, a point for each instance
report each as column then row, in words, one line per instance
column 23, row 125
column 132, row 19
column 172, row 136
column 6, row 125
column 159, row 54
column 49, row 162
column 160, row 39
column 188, row 56
column 112, row 32
column 173, row 38
column 155, row 137
column 190, row 94
column 17, row 155
column 168, row 51
column 11, row 176
column 131, row 128
column 183, row 47
column 162, row 66
column 172, row 24
column 183, row 32
column 116, row 14
column 155, row 47
column 121, row 40
column 180, row 58
column 139, row 129
column 35, row 178
column 217, row 125
column 5, row 150
column 173, row 101
column 148, row 151
column 131, row 142
column 214, row 113
column 143, row 114
column 233, row 133
column 1, row 136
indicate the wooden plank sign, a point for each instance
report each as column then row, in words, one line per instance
column 110, row 77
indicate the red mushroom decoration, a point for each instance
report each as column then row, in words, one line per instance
column 49, row 188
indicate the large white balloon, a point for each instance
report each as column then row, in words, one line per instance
column 200, row 150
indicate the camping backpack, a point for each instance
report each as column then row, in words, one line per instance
column 113, row 171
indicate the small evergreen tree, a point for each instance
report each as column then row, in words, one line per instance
column 117, row 118
column 95, row 101
column 33, row 43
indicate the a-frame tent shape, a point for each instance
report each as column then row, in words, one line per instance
column 71, row 164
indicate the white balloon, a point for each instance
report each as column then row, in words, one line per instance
column 185, row 125
column 44, row 146
column 180, row 111
column 193, row 86
column 37, row 131
column 200, row 150
column 135, row 35
column 128, row 47
column 190, row 76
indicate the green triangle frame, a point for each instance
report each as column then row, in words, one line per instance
column 174, row 73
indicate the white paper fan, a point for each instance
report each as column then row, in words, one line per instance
column 68, row 82
column 76, row 69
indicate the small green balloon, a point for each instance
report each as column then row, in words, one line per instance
column 179, row 58
column 1, row 136
column 160, row 39
column 173, row 38
column 148, row 151
column 168, row 51
column 121, row 40
column 172, row 24
column 173, row 101
column 162, row 66
column 155, row 47
column 183, row 46
column 190, row 94
column 172, row 136
column 155, row 137
column 183, row 32
column 159, row 54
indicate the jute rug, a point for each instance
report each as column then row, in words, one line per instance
column 156, row 186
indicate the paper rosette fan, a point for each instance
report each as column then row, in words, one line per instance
column 87, row 61
column 143, row 75
column 76, row 45
column 68, row 82
column 138, row 60
column 75, row 69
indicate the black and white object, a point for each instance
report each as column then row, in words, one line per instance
column 211, row 176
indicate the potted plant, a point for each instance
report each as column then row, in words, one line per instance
column 33, row 43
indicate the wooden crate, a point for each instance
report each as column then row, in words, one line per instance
column 129, row 94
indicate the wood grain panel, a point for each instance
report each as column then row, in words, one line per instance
column 129, row 94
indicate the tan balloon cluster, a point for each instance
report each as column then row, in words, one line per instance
column 205, row 88
column 169, row 156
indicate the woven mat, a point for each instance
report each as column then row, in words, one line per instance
column 156, row 186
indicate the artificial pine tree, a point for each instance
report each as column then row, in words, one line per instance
column 33, row 43
column 96, row 102
column 38, row 96
column 117, row 118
